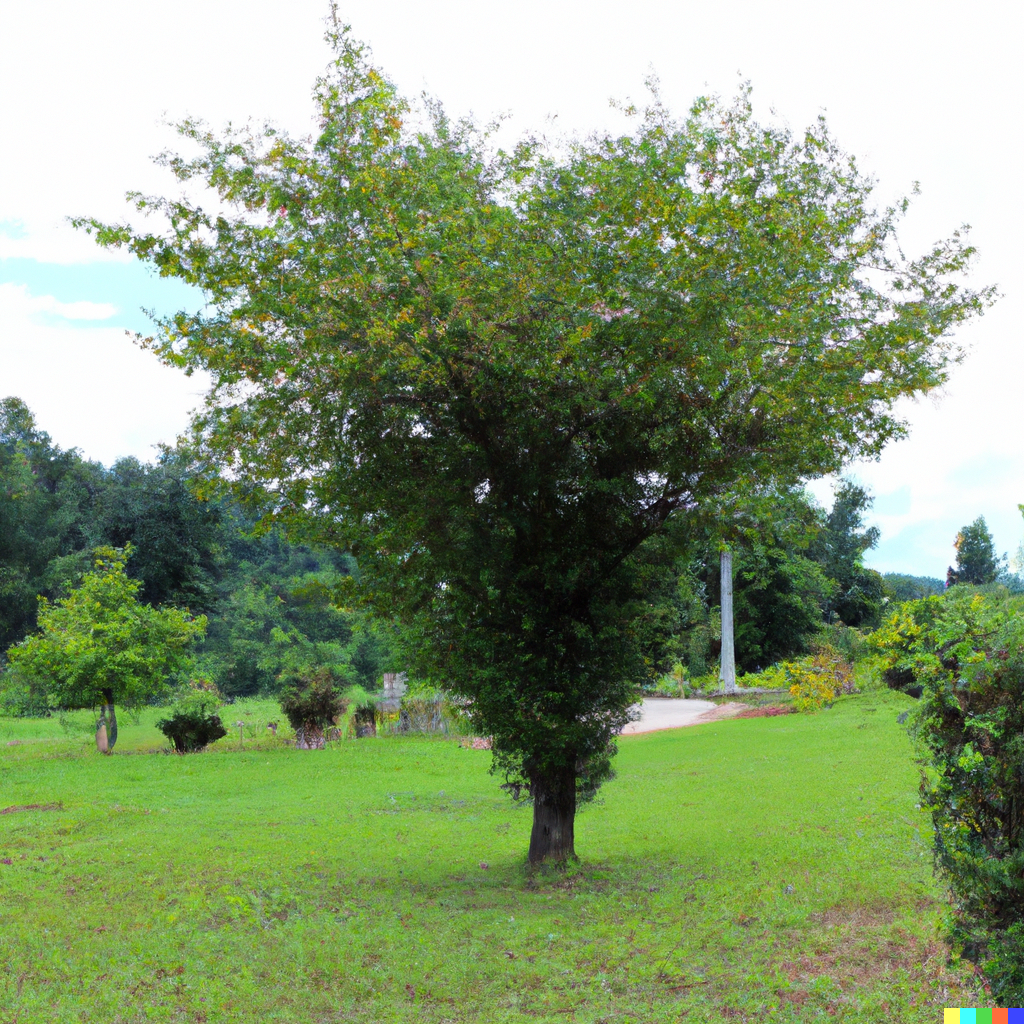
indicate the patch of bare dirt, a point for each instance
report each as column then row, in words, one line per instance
column 730, row 710
column 768, row 711
column 14, row 808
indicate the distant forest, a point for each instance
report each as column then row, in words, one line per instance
column 270, row 603
column 273, row 607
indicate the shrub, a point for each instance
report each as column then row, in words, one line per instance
column 895, row 642
column 311, row 702
column 814, row 681
column 672, row 684
column 193, row 724
column 851, row 643
column 970, row 661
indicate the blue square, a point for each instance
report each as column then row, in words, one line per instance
column 1014, row 1016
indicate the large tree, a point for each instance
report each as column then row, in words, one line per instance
column 497, row 377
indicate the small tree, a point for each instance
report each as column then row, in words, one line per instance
column 101, row 645
column 976, row 562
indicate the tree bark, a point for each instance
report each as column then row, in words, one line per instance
column 727, row 674
column 108, row 696
column 554, row 816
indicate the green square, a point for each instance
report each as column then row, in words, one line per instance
column 983, row 1016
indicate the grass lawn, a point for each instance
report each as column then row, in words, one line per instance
column 766, row 868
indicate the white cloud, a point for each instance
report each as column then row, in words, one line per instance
column 16, row 303
column 90, row 387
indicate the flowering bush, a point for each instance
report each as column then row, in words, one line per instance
column 814, row 681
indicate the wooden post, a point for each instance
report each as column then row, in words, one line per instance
column 727, row 673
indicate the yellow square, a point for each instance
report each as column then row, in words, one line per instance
column 951, row 1016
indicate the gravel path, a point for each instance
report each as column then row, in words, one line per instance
column 673, row 714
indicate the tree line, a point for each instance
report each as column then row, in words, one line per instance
column 270, row 605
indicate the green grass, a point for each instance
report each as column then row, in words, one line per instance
column 771, row 868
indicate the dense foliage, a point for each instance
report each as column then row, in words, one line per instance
column 193, row 722
column 272, row 606
column 797, row 567
column 976, row 562
column 496, row 377
column 902, row 587
column 967, row 651
column 101, row 645
column 47, row 518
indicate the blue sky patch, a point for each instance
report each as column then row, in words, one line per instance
column 13, row 229
column 129, row 287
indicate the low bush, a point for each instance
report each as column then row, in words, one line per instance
column 673, row 684
column 311, row 703
column 817, row 681
column 193, row 724
column 814, row 682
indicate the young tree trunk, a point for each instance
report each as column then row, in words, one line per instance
column 727, row 674
column 101, row 733
column 108, row 696
column 554, row 815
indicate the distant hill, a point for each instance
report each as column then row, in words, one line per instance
column 899, row 587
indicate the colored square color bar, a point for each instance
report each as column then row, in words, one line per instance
column 993, row 1015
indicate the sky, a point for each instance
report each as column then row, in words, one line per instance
column 918, row 92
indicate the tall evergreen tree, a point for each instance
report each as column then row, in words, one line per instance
column 976, row 562
column 840, row 548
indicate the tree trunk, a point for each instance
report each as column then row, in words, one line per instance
column 554, row 815
column 727, row 674
column 108, row 696
column 309, row 737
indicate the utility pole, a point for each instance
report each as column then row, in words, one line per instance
column 727, row 673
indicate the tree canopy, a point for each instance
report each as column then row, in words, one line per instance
column 497, row 376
